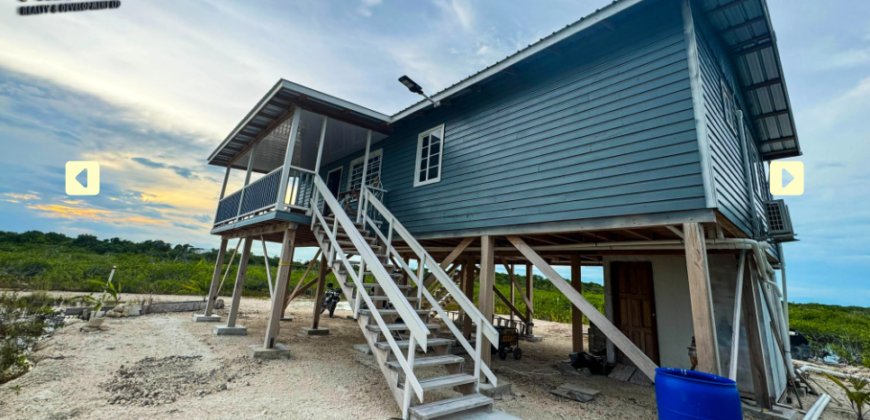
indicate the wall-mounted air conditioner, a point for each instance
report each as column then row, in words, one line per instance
column 779, row 221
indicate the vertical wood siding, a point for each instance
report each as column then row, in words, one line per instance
column 605, row 127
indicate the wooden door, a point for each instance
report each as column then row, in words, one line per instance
column 634, row 305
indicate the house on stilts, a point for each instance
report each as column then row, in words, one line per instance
column 634, row 139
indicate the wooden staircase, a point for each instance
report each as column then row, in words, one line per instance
column 403, row 336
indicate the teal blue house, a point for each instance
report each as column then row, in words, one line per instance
column 637, row 139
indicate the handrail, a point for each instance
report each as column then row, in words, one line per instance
column 417, row 329
column 484, row 327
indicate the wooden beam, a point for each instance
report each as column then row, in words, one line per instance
column 772, row 114
column 676, row 231
column 637, row 235
column 702, row 300
column 468, row 287
column 641, row 360
column 241, row 276
column 288, row 247
column 510, row 305
column 735, row 319
column 486, row 300
column 529, row 306
column 449, row 260
column 258, row 231
column 752, row 321
column 296, row 291
column 576, row 314
column 529, row 297
column 318, row 297
column 216, row 278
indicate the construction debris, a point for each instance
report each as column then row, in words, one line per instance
column 622, row 372
column 575, row 392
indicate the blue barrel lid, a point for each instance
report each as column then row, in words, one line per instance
column 695, row 376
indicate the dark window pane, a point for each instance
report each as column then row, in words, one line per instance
column 433, row 161
column 433, row 173
column 425, row 141
column 436, row 136
column 422, row 176
column 425, row 153
column 436, row 147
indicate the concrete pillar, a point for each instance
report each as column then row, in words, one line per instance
column 576, row 315
column 216, row 278
column 241, row 276
column 486, row 304
column 288, row 246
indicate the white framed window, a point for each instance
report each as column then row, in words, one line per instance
column 728, row 106
column 356, row 167
column 430, row 151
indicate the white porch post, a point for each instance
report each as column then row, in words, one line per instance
column 247, row 178
column 320, row 149
column 362, row 184
column 288, row 158
column 226, row 180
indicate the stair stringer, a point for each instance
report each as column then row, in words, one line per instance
column 382, row 357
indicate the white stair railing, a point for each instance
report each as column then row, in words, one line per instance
column 416, row 327
column 484, row 326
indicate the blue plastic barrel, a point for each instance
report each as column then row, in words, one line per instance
column 686, row 394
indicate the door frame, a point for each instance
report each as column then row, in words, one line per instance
column 340, row 176
column 617, row 313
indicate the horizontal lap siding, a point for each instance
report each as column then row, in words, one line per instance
column 605, row 128
column 726, row 153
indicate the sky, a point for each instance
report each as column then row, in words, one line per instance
column 150, row 89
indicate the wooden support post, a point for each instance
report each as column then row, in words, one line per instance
column 288, row 246
column 486, row 297
column 216, row 278
column 318, row 296
column 240, row 282
column 468, row 288
column 510, row 305
column 735, row 319
column 530, row 294
column 641, row 360
column 752, row 320
column 516, row 284
column 449, row 260
column 513, row 291
column 576, row 315
column 702, row 300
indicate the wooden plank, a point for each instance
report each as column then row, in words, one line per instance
column 576, row 314
column 288, row 246
column 752, row 321
column 468, row 279
column 607, row 328
column 622, row 372
column 530, row 293
column 701, row 298
column 262, row 230
column 486, row 301
column 510, row 305
column 321, row 291
column 735, row 319
column 449, row 260
column 296, row 291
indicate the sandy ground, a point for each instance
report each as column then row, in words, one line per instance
column 167, row 367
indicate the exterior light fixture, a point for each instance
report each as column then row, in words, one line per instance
column 415, row 88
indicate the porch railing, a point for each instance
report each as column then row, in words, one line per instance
column 262, row 195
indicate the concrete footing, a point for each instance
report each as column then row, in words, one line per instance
column 362, row 348
column 496, row 392
column 206, row 318
column 225, row 330
column 315, row 331
column 278, row 352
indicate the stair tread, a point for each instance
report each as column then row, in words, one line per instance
column 380, row 298
column 401, row 287
column 391, row 311
column 448, row 381
column 403, row 344
column 430, row 361
column 449, row 406
column 398, row 327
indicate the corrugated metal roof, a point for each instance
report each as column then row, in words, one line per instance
column 745, row 27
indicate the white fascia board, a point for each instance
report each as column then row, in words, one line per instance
column 605, row 13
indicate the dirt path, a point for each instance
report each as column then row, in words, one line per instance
column 168, row 367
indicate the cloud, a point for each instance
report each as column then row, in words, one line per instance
column 15, row 196
column 365, row 8
column 67, row 212
column 458, row 10
column 182, row 172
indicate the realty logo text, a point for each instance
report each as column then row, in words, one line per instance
column 58, row 7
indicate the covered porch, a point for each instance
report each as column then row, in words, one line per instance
column 280, row 147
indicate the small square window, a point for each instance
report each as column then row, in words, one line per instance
column 429, row 148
